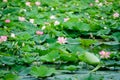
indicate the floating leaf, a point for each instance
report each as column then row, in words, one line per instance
column 50, row 57
column 70, row 67
column 8, row 60
column 42, row 71
column 11, row 76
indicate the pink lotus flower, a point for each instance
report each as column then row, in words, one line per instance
column 7, row 21
column 28, row 4
column 52, row 9
column 21, row 18
column 91, row 4
column 12, row 35
column 104, row 54
column 96, row 1
column 5, row 0
column 39, row 33
column 37, row 3
column 62, row 40
column 43, row 27
column 115, row 15
column 3, row 38
column 56, row 23
column 31, row 20
column 47, row 23
column 66, row 19
column 100, row 4
column 52, row 17
column 23, row 10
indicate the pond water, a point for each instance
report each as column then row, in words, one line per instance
column 82, row 75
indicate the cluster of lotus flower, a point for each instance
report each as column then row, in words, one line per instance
column 60, row 40
column 100, row 4
column 3, row 39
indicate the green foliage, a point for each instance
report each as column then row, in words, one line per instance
column 42, row 71
column 66, row 56
column 7, row 60
column 89, row 58
column 88, row 42
column 11, row 77
column 71, row 67
column 50, row 57
column 86, row 25
column 6, row 75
